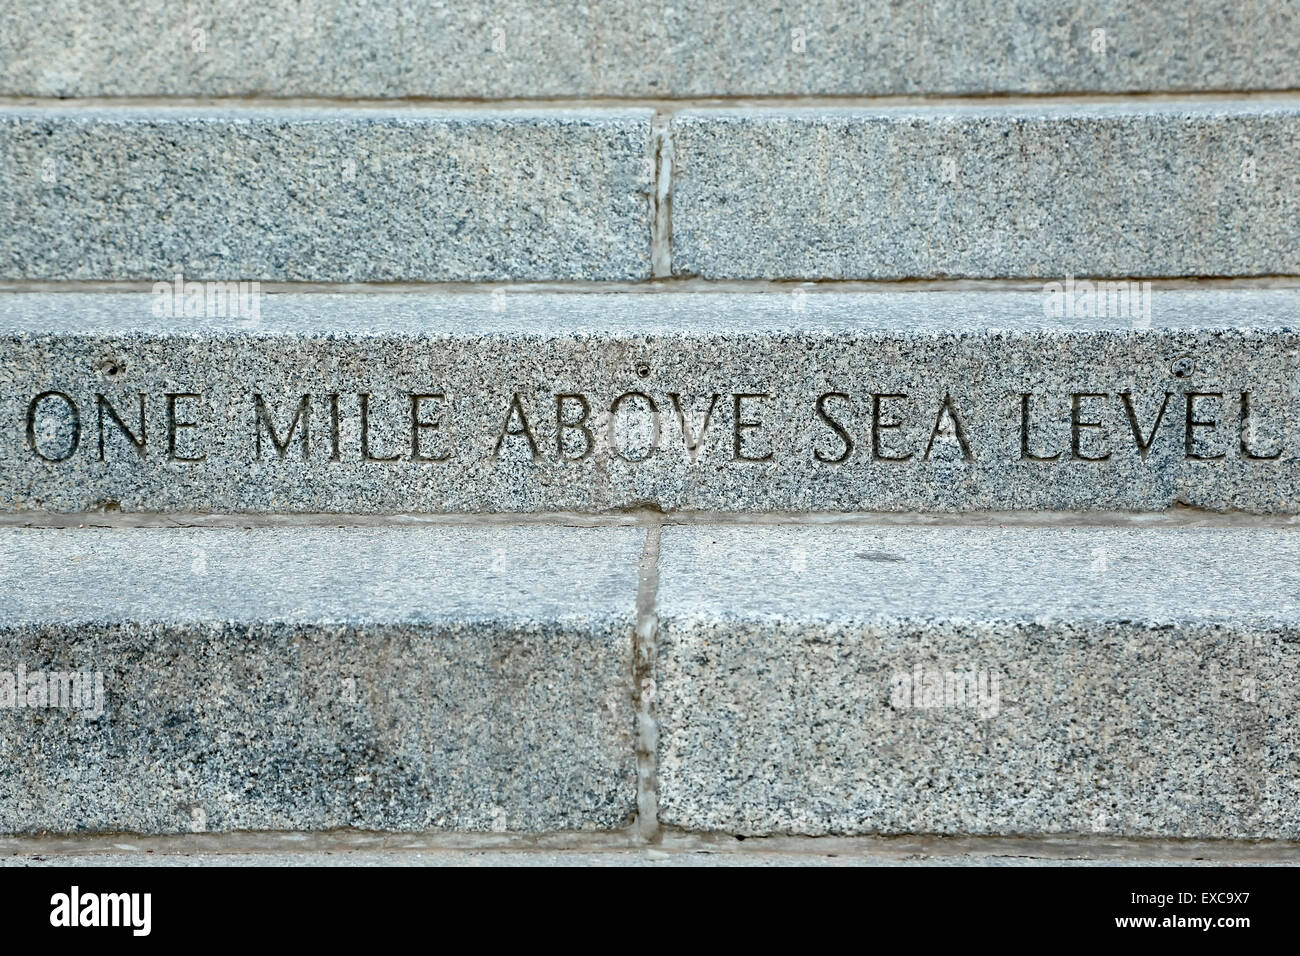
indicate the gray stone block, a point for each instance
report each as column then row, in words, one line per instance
column 952, row 401
column 309, row 679
column 1160, row 189
column 520, row 48
column 324, row 195
column 1118, row 681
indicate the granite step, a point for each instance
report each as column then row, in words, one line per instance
column 1149, row 188
column 1114, row 680
column 325, row 195
column 1128, row 682
column 1118, row 189
column 567, row 48
column 798, row 403
column 312, row 679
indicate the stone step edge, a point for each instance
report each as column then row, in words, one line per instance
column 649, row 517
column 1106, row 680
column 180, row 305
column 986, row 193
column 553, row 195
column 299, row 844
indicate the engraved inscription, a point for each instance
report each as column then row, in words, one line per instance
column 1202, row 428
column 830, row 429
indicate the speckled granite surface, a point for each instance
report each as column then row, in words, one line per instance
column 309, row 679
column 1042, row 191
column 1121, row 681
column 338, row 195
column 519, row 48
column 822, row 402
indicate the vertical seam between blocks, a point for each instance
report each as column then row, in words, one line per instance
column 661, row 203
column 644, row 647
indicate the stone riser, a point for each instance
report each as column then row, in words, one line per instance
column 1037, row 192
column 1199, row 188
column 937, row 402
column 325, row 195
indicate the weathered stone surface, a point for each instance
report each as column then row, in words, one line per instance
column 1160, row 189
column 928, row 402
column 621, row 48
column 398, row 679
column 324, row 195
column 1126, row 681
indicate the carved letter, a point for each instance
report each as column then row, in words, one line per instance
column 1077, row 425
column 336, row 453
column 561, row 426
column 693, row 442
column 174, row 425
column 419, row 425
column 741, row 425
column 364, row 399
column 516, row 408
column 654, row 424
column 877, row 426
column 1246, row 453
column 1193, row 423
column 102, row 404
column 76, row 426
column 836, row 427
column 1025, row 453
column 950, row 409
column 1143, row 444
column 302, row 414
